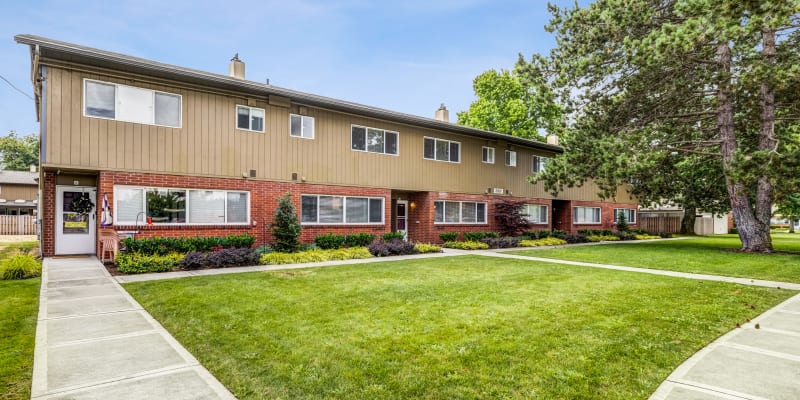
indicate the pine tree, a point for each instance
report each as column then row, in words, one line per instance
column 622, row 223
column 285, row 228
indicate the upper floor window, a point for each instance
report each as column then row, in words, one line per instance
column 535, row 213
column 441, row 150
column 511, row 158
column 301, row 126
column 629, row 213
column 586, row 215
column 539, row 164
column 488, row 155
column 131, row 104
column 250, row 118
column 373, row 140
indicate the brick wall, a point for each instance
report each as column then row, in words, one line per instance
column 606, row 215
column 48, row 216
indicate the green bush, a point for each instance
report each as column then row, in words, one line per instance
column 533, row 235
column 351, row 253
column 448, row 236
column 427, row 248
column 388, row 237
column 468, row 245
column 733, row 231
column 647, row 237
column 549, row 241
column 286, row 228
column 359, row 239
column 136, row 263
column 163, row 246
column 328, row 241
column 20, row 266
column 602, row 238
column 477, row 236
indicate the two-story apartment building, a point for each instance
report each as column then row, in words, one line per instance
column 180, row 152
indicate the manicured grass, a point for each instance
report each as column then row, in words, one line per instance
column 704, row 255
column 447, row 328
column 19, row 303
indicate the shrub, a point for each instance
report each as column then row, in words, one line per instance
column 501, row 242
column 243, row 241
column 136, row 263
column 509, row 217
column 542, row 242
column 394, row 247
column 602, row 238
column 328, row 241
column 388, row 237
column 558, row 233
column 163, row 246
column 193, row 260
column 359, row 239
column 20, row 266
column 285, row 228
column 427, row 248
column 665, row 235
column 625, row 235
column 477, row 236
column 448, row 236
column 577, row 238
column 539, row 234
column 231, row 258
column 467, row 245
column 316, row 255
column 263, row 249
column 622, row 223
column 733, row 231
column 647, row 237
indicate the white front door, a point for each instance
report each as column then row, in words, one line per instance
column 401, row 217
column 75, row 229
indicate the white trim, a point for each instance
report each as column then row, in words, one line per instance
column 435, row 139
column 249, row 120
column 494, row 152
column 116, row 94
column 344, row 210
column 313, row 127
column 460, row 218
column 144, row 207
column 366, row 131
column 599, row 214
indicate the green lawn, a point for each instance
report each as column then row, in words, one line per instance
column 19, row 305
column 704, row 255
column 447, row 328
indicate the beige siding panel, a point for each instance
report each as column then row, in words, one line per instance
column 12, row 192
column 76, row 109
column 56, row 130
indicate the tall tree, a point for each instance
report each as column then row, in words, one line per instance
column 519, row 102
column 19, row 152
column 644, row 79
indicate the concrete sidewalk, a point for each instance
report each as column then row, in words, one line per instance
column 94, row 341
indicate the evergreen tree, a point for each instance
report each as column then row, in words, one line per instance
column 286, row 228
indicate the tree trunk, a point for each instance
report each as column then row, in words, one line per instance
column 746, row 223
column 689, row 216
column 766, row 141
column 791, row 225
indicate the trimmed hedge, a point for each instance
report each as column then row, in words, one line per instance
column 220, row 258
column 466, row 245
column 359, row 239
column 550, row 241
column 351, row 253
column 477, row 236
column 164, row 246
column 388, row 237
column 501, row 242
column 328, row 241
column 20, row 266
column 448, row 236
column 395, row 247
column 136, row 263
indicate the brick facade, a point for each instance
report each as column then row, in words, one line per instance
column 606, row 215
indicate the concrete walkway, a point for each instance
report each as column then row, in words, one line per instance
column 94, row 341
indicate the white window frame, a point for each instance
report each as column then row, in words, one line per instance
column 143, row 220
column 533, row 221
column 302, row 131
column 507, row 158
column 449, row 142
column 249, row 118
column 116, row 104
column 490, row 151
column 575, row 216
column 344, row 210
column 460, row 213
column 366, row 146
column 539, row 163
column 628, row 213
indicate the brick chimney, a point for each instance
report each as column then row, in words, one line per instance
column 236, row 67
column 442, row 114
column 552, row 139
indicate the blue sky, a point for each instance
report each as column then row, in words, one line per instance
column 407, row 57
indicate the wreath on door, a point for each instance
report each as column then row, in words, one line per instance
column 82, row 205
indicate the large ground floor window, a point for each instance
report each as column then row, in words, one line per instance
column 459, row 212
column 322, row 209
column 586, row 215
column 535, row 213
column 156, row 205
column 629, row 213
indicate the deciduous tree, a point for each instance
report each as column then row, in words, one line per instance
column 19, row 152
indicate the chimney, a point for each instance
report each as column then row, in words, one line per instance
column 33, row 168
column 236, row 67
column 442, row 114
column 552, row 139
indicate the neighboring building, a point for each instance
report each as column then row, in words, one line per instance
column 18, row 202
column 183, row 152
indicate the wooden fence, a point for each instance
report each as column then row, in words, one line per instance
column 17, row 225
column 668, row 224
